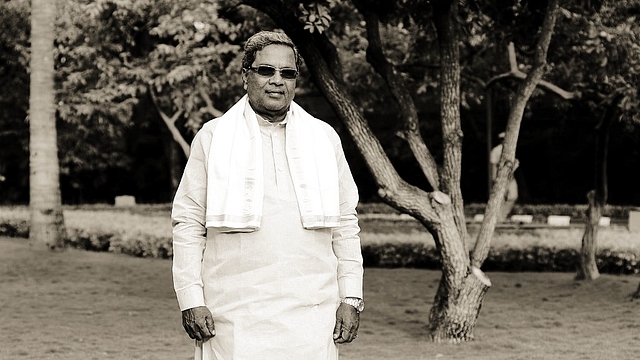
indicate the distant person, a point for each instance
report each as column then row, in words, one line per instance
column 511, row 195
column 267, row 263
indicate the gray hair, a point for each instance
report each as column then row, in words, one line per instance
column 263, row 39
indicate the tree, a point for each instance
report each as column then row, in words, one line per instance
column 441, row 211
column 615, row 88
column 46, row 218
column 598, row 54
column 179, row 58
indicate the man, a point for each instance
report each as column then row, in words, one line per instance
column 267, row 261
column 511, row 195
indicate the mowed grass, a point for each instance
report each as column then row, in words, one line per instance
column 84, row 305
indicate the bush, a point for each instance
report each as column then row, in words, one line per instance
column 14, row 228
column 536, row 258
column 146, row 232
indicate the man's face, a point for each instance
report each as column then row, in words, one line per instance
column 270, row 96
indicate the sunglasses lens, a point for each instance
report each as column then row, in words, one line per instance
column 266, row 71
column 288, row 74
column 269, row 71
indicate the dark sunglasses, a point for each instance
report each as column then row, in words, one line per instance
column 269, row 71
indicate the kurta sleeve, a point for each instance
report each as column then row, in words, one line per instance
column 346, row 239
column 188, row 221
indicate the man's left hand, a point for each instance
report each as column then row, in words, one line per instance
column 347, row 323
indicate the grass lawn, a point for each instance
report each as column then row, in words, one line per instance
column 86, row 305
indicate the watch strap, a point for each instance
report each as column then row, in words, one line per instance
column 357, row 303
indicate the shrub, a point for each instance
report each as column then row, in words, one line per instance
column 14, row 228
column 538, row 259
column 146, row 232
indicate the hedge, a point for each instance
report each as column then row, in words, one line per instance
column 534, row 259
column 385, row 255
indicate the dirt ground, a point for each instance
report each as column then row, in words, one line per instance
column 76, row 305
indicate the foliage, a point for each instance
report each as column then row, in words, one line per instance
column 14, row 96
column 598, row 52
column 182, row 51
column 315, row 15
column 109, row 54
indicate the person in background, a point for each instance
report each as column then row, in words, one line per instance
column 267, row 261
column 511, row 195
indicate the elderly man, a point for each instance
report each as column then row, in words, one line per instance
column 267, row 261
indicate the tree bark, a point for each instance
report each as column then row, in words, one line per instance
column 454, row 314
column 47, row 230
column 588, row 269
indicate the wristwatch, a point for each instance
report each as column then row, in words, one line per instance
column 355, row 302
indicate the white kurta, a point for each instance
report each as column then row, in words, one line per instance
column 273, row 293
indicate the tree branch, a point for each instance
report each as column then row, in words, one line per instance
column 515, row 72
column 171, row 123
column 508, row 161
column 209, row 108
column 409, row 113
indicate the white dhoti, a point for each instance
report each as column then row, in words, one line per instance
column 273, row 293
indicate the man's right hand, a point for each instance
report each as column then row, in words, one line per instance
column 198, row 323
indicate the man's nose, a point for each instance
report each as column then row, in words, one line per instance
column 276, row 78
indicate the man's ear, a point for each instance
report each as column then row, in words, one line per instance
column 244, row 79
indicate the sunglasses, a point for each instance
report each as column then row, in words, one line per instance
column 269, row 71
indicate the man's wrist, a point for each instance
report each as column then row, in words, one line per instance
column 357, row 303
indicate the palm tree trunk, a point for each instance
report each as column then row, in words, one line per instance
column 47, row 229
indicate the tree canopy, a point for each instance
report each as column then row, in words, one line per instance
column 122, row 63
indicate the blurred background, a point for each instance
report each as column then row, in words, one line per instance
column 134, row 76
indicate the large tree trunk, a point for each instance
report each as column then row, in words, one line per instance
column 461, row 292
column 47, row 222
column 454, row 314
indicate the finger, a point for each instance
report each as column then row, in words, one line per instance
column 188, row 329
column 205, row 328
column 211, row 326
column 336, row 330
column 197, row 332
column 194, row 330
column 344, row 337
column 351, row 334
column 202, row 331
column 194, row 334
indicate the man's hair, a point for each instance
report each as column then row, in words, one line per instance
column 263, row 39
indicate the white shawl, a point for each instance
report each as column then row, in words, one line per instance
column 235, row 179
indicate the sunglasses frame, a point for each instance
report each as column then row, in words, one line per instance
column 273, row 70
